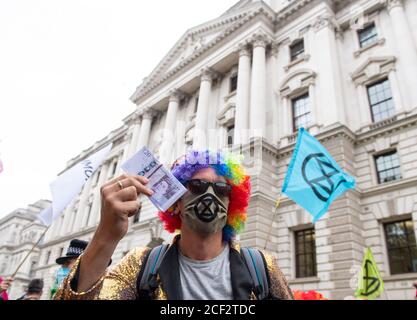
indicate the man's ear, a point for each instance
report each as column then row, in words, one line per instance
column 179, row 207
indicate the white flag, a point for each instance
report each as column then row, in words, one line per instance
column 46, row 216
column 66, row 187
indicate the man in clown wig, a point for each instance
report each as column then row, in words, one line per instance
column 204, row 262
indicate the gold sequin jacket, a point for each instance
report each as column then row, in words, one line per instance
column 120, row 283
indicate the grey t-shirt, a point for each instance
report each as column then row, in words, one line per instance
column 206, row 280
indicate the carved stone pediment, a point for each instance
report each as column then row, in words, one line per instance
column 297, row 81
column 196, row 41
column 226, row 117
column 372, row 69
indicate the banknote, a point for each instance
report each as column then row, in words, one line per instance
column 167, row 189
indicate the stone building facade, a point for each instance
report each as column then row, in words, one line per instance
column 19, row 232
column 246, row 81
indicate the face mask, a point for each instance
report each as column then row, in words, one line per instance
column 205, row 213
column 62, row 273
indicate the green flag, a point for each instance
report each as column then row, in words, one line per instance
column 370, row 280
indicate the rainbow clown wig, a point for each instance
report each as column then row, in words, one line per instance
column 226, row 165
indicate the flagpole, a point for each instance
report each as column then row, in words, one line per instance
column 277, row 204
column 31, row 250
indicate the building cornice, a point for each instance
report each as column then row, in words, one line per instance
column 68, row 237
column 395, row 126
column 232, row 22
column 329, row 133
column 389, row 187
column 152, row 83
column 28, row 216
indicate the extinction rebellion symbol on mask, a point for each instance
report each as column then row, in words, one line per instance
column 322, row 185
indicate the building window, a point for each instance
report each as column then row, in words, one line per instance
column 33, row 266
column 401, row 245
column 137, row 215
column 233, row 84
column 301, row 112
column 90, row 205
column 196, row 105
column 380, row 99
column 305, row 253
column 97, row 177
column 230, row 135
column 297, row 50
column 113, row 171
column 48, row 255
column 367, row 35
column 388, row 167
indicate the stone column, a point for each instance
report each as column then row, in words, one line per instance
column 285, row 116
column 122, row 158
column 396, row 92
column 200, row 130
column 364, row 107
column 135, row 138
column 67, row 219
column 272, row 95
column 82, row 205
column 406, row 50
column 242, row 96
column 329, row 84
column 258, row 88
column 145, row 129
column 315, row 114
column 96, row 208
column 168, row 138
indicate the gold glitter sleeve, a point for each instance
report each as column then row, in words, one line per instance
column 118, row 283
column 279, row 287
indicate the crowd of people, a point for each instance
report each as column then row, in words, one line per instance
column 204, row 262
column 35, row 287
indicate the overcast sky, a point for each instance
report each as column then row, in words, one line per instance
column 67, row 70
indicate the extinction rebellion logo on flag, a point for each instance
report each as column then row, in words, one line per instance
column 371, row 285
column 322, row 185
column 314, row 180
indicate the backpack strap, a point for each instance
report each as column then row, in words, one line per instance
column 146, row 282
column 257, row 268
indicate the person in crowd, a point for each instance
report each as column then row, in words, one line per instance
column 204, row 262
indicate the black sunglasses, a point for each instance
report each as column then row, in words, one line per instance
column 198, row 186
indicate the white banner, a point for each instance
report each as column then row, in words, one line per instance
column 46, row 216
column 69, row 184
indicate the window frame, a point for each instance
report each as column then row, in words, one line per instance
column 386, row 154
column 374, row 37
column 294, row 56
column 372, row 106
column 312, row 254
column 293, row 117
column 197, row 99
column 408, row 246
column 233, row 83
column 230, row 128
column 47, row 257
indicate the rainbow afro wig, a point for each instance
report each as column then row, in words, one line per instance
column 226, row 165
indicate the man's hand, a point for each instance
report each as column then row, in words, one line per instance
column 119, row 201
column 5, row 285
